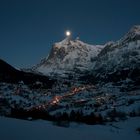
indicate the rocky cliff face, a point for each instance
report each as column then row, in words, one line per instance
column 68, row 55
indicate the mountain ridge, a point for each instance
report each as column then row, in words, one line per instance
column 9, row 74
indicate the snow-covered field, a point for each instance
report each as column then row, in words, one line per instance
column 43, row 130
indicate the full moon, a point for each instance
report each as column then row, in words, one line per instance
column 68, row 33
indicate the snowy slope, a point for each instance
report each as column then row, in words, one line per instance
column 120, row 60
column 26, row 130
column 68, row 55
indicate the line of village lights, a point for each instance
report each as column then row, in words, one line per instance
column 56, row 99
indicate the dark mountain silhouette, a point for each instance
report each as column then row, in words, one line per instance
column 11, row 75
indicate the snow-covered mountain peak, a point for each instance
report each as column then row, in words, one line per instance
column 63, row 43
column 132, row 35
column 135, row 30
column 68, row 55
column 76, row 43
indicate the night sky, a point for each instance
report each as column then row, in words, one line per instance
column 28, row 28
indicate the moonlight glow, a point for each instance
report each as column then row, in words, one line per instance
column 68, row 33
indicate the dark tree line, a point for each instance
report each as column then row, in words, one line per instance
column 73, row 116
